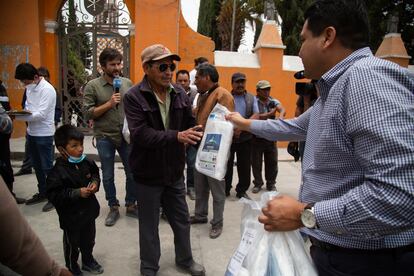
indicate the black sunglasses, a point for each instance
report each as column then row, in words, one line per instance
column 163, row 67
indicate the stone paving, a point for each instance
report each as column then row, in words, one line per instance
column 117, row 247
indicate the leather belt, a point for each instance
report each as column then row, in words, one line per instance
column 331, row 247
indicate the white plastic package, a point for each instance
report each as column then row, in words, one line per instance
column 263, row 253
column 214, row 150
column 125, row 131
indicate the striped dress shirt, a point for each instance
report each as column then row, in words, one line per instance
column 358, row 166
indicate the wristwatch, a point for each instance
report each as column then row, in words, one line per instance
column 308, row 216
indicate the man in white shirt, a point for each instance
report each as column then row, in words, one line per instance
column 40, row 101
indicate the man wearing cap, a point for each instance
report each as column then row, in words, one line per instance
column 161, row 123
column 102, row 103
column 246, row 104
column 262, row 147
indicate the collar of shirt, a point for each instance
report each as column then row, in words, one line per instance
column 169, row 90
column 209, row 91
column 103, row 81
column 329, row 78
column 244, row 93
column 39, row 85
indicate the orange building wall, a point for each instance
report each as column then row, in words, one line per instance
column 193, row 45
column 19, row 42
column 23, row 39
column 156, row 22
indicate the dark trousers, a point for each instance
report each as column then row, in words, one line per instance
column 190, row 157
column 6, row 170
column 81, row 239
column 172, row 198
column 27, row 160
column 41, row 151
column 267, row 149
column 243, row 151
column 301, row 149
column 362, row 262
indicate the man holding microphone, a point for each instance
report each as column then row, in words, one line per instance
column 103, row 104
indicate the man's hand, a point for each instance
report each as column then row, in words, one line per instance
column 85, row 192
column 282, row 213
column 191, row 136
column 93, row 187
column 115, row 99
column 238, row 121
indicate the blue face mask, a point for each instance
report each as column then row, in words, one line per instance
column 76, row 160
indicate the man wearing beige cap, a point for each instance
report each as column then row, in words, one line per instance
column 261, row 147
column 161, row 123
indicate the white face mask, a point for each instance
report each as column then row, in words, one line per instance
column 30, row 86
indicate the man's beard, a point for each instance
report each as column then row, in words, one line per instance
column 113, row 74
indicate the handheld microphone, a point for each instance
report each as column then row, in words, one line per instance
column 117, row 82
column 299, row 75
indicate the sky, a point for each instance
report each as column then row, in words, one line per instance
column 190, row 13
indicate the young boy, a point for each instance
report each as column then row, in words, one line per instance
column 71, row 187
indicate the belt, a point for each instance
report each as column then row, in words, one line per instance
column 331, row 247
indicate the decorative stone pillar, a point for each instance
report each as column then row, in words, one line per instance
column 50, row 26
column 50, row 56
column 131, row 29
column 392, row 48
column 269, row 46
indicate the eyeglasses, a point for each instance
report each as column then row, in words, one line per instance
column 163, row 67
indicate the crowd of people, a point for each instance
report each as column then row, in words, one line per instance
column 357, row 192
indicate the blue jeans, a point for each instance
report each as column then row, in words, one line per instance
column 106, row 150
column 41, row 151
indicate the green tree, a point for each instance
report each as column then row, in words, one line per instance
column 224, row 25
column 207, row 24
column 79, row 47
column 379, row 12
column 292, row 13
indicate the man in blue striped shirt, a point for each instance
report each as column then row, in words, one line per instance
column 356, row 201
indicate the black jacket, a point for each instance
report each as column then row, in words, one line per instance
column 63, row 190
column 157, row 158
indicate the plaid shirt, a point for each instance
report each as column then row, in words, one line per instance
column 359, row 159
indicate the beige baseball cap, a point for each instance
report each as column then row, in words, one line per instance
column 263, row 84
column 157, row 52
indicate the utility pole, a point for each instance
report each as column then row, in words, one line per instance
column 233, row 22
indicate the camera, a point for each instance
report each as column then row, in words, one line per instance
column 303, row 88
column 272, row 104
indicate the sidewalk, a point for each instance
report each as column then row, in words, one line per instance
column 117, row 247
column 17, row 150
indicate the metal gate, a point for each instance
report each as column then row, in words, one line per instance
column 86, row 27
